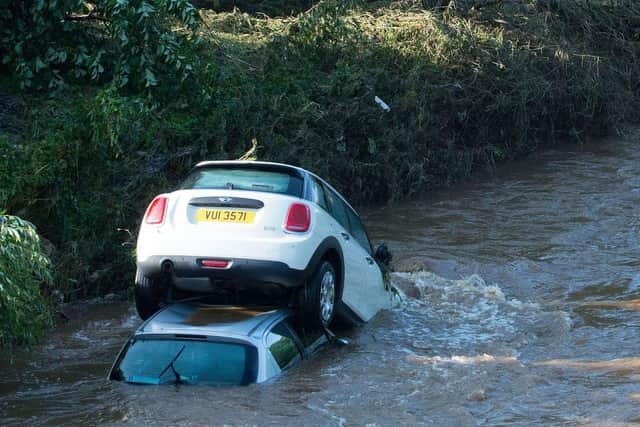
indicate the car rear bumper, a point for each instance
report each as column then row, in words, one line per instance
column 188, row 273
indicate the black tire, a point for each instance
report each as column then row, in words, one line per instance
column 148, row 296
column 316, row 297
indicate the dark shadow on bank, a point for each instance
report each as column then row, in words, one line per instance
column 271, row 8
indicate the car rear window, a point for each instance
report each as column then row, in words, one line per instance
column 249, row 179
column 148, row 361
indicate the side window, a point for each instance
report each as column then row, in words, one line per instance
column 358, row 231
column 317, row 194
column 282, row 345
column 337, row 208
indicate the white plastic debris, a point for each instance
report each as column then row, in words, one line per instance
column 382, row 104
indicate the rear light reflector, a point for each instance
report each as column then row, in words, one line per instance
column 156, row 210
column 214, row 263
column 298, row 218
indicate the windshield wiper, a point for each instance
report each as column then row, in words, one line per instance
column 173, row 369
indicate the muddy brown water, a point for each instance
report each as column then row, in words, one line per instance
column 523, row 309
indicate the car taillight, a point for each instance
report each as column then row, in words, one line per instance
column 156, row 210
column 298, row 218
column 214, row 263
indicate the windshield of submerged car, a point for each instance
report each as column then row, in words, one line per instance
column 244, row 179
column 159, row 361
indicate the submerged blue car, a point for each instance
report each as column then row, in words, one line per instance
column 190, row 343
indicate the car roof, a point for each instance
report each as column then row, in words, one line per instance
column 211, row 320
column 253, row 164
column 298, row 169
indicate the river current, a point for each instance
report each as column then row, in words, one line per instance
column 521, row 307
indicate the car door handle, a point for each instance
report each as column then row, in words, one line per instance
column 369, row 260
column 345, row 236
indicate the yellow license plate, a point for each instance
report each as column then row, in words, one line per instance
column 225, row 215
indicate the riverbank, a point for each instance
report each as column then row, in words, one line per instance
column 466, row 86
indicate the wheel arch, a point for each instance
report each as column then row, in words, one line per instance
column 328, row 250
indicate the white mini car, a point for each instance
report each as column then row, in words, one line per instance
column 245, row 232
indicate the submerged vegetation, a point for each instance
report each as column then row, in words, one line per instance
column 468, row 83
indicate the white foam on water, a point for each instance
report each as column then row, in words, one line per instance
column 80, row 336
column 465, row 360
column 467, row 314
column 328, row 413
column 130, row 321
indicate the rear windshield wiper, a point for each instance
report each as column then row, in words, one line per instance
column 173, row 369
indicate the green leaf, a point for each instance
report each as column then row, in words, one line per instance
column 150, row 78
column 372, row 146
column 40, row 65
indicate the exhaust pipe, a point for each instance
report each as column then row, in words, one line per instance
column 167, row 267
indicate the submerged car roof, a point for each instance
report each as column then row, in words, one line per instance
column 211, row 320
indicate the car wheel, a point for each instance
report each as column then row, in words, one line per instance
column 320, row 297
column 148, row 296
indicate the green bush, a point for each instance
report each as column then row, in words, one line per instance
column 84, row 176
column 24, row 312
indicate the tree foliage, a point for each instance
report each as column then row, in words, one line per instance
column 24, row 314
column 45, row 43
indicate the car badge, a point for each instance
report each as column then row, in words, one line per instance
column 225, row 199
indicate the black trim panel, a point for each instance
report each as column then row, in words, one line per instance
column 244, row 270
column 347, row 316
column 227, row 202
